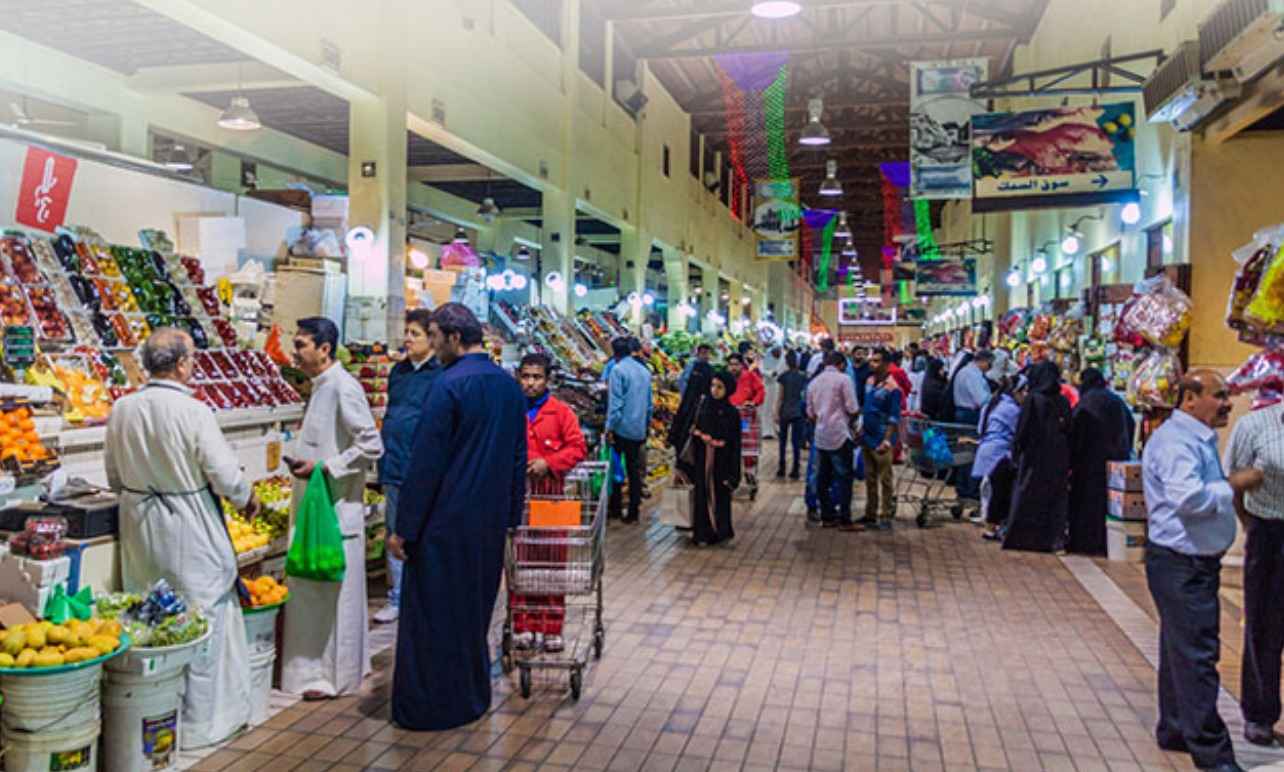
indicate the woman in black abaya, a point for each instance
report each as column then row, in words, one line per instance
column 1101, row 430
column 716, row 463
column 1041, row 450
column 696, row 393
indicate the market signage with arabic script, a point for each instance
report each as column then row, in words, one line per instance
column 45, row 189
column 777, row 216
column 1063, row 156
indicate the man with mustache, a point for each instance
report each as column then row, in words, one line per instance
column 1191, row 505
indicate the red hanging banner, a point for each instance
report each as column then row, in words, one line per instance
column 45, row 190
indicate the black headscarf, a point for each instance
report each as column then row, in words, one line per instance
column 933, row 400
column 1045, row 378
column 1091, row 378
column 697, row 388
column 719, row 419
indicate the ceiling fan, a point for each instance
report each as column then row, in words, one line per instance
column 22, row 116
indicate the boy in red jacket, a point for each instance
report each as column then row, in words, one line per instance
column 554, row 446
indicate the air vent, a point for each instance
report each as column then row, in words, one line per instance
column 1178, row 93
column 1242, row 36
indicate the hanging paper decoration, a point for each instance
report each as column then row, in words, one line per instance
column 906, row 297
column 927, row 249
column 826, row 220
column 897, row 215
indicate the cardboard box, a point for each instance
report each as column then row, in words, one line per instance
column 1126, row 505
column 1125, row 541
column 14, row 614
column 1123, row 475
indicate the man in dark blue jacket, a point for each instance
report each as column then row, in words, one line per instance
column 408, row 387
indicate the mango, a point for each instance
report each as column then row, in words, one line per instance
column 58, row 635
column 36, row 637
column 6, row 660
column 110, row 628
column 49, row 659
column 80, row 654
column 45, row 625
column 25, row 659
column 105, row 644
column 15, row 641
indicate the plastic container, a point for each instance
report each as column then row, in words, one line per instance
column 142, row 719
column 261, row 664
column 51, row 720
column 260, row 628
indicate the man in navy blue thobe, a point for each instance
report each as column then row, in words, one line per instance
column 465, row 486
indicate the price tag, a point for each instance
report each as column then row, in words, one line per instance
column 273, row 455
column 150, row 665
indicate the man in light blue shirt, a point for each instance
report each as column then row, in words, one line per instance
column 1191, row 507
column 971, row 392
column 628, row 414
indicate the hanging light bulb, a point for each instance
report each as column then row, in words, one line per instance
column 1040, row 264
column 775, row 9
column 1014, row 278
column 418, row 259
column 554, row 281
column 1070, row 245
column 1131, row 214
column 178, row 159
column 814, row 134
column 843, row 231
column 831, row 186
column 580, row 290
column 849, row 250
column 519, row 282
column 488, row 211
column 522, row 253
column 239, row 116
column 461, row 236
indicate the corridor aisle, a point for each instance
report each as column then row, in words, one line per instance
column 796, row 649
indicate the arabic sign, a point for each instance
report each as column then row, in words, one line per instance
column 940, row 111
column 45, row 189
column 1063, row 156
column 947, row 277
column 777, row 216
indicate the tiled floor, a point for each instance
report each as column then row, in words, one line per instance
column 797, row 649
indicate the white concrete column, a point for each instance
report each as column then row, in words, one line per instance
column 675, row 270
column 635, row 253
column 708, row 298
column 557, row 238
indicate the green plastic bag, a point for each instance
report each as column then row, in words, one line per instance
column 316, row 552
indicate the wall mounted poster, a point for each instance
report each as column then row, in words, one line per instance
column 1058, row 157
column 777, row 216
column 954, row 276
column 940, row 112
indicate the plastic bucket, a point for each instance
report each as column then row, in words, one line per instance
column 260, row 629
column 52, row 721
column 65, row 749
column 260, row 684
column 142, row 719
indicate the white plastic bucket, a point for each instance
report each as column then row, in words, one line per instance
column 64, row 749
column 260, row 684
column 142, row 719
column 260, row 630
column 51, row 721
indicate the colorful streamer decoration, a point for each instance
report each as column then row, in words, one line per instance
column 826, row 252
column 754, row 90
column 927, row 248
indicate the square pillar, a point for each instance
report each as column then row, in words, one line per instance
column 635, row 253
column 557, row 238
column 675, row 270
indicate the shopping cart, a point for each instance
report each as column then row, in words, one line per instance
column 935, row 449
column 750, row 447
column 554, row 577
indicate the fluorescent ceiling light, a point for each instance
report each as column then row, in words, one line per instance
column 775, row 9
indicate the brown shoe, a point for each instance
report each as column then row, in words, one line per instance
column 851, row 527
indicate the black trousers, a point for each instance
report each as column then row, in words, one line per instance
column 1263, row 623
column 797, row 428
column 1185, row 591
column 635, row 466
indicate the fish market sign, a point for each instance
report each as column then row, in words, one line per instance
column 1063, row 156
column 45, row 189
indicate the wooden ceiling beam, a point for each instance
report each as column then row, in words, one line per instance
column 890, row 42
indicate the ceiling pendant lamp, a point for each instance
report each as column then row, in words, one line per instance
column 488, row 211
column 523, row 253
column 843, row 231
column 849, row 250
column 461, row 236
column 178, row 159
column 775, row 9
column 814, row 134
column 239, row 116
column 831, row 186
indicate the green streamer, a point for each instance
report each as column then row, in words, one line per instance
column 927, row 249
column 906, row 297
column 773, row 103
column 826, row 250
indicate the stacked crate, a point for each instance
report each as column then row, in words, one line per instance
column 1125, row 511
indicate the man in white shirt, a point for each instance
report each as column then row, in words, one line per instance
column 325, row 645
column 831, row 404
column 1257, row 442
